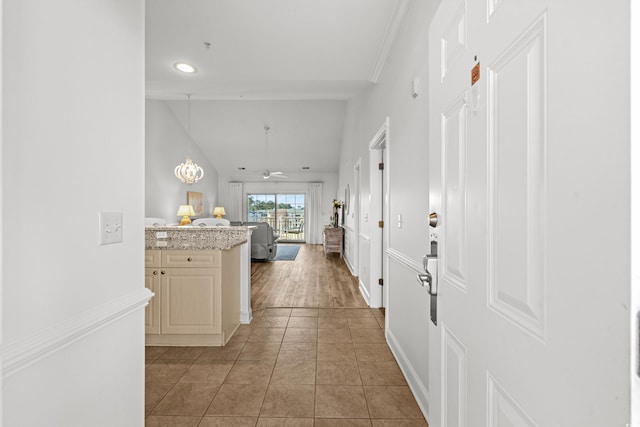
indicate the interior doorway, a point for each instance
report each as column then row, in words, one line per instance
column 379, row 184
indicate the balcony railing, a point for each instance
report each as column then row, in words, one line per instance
column 288, row 228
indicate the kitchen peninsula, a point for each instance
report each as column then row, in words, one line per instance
column 201, row 280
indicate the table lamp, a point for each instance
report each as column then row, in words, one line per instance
column 185, row 211
column 218, row 211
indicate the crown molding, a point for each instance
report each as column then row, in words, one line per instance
column 396, row 24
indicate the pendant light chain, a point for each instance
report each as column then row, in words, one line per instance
column 188, row 172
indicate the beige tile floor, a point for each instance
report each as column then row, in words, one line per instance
column 291, row 367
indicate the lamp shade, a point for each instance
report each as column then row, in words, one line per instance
column 218, row 211
column 185, row 211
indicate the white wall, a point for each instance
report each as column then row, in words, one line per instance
column 73, row 143
column 408, row 190
column 167, row 145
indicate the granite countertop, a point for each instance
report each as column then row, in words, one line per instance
column 194, row 238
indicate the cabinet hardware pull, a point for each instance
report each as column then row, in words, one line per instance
column 189, row 259
column 155, row 273
column 162, row 272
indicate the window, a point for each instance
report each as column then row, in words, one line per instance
column 284, row 212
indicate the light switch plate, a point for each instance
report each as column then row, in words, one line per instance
column 110, row 227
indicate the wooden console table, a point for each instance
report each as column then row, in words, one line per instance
column 332, row 239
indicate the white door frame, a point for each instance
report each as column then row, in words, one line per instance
column 378, row 211
column 354, row 211
column 635, row 217
column 1, row 202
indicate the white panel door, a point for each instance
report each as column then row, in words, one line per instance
column 533, row 296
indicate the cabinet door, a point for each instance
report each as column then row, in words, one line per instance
column 152, row 311
column 191, row 301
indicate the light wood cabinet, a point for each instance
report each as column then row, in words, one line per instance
column 191, row 301
column 197, row 298
column 332, row 239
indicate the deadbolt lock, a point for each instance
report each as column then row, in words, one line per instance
column 433, row 219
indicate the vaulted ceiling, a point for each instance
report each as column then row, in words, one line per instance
column 288, row 64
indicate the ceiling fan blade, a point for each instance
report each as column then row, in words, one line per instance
column 268, row 174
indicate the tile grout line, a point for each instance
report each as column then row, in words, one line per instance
column 219, row 387
column 281, row 342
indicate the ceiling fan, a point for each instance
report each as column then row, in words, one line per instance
column 267, row 173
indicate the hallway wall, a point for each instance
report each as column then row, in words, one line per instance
column 408, row 178
column 73, row 145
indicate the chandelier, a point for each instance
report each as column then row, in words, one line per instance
column 188, row 172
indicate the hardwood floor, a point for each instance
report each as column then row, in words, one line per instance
column 311, row 280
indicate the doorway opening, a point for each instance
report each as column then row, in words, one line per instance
column 379, row 184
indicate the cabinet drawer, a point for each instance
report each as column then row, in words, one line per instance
column 210, row 258
column 151, row 258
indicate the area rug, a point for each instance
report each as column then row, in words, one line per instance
column 286, row 252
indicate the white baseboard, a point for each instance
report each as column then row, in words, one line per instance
column 415, row 384
column 247, row 317
column 349, row 266
column 364, row 292
column 18, row 355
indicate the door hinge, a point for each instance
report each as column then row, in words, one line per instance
column 380, row 282
column 380, row 224
column 381, row 166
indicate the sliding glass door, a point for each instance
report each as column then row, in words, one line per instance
column 284, row 212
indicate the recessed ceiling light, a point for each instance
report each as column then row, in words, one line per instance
column 184, row 67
